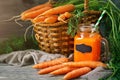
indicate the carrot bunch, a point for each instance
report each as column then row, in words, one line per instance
column 56, row 14
column 47, row 13
column 70, row 70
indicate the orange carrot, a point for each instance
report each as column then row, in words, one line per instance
column 50, row 69
column 36, row 8
column 64, row 16
column 34, row 14
column 76, row 73
column 63, row 70
column 67, row 14
column 50, row 63
column 39, row 19
column 59, row 9
column 51, row 19
column 91, row 64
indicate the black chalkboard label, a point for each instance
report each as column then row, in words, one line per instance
column 83, row 48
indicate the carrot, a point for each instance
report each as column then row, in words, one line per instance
column 67, row 14
column 64, row 16
column 76, row 73
column 51, row 19
column 34, row 14
column 91, row 64
column 36, row 8
column 50, row 69
column 50, row 63
column 63, row 70
column 39, row 19
column 59, row 9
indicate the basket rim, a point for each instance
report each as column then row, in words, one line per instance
column 51, row 24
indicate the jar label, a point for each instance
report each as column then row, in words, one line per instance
column 83, row 48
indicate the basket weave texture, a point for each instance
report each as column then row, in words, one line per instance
column 53, row 38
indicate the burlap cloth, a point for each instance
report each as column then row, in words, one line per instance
column 29, row 57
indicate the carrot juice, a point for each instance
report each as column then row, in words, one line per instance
column 87, row 45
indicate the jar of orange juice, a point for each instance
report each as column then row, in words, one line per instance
column 87, row 43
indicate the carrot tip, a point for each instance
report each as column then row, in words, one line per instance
column 51, row 73
column 39, row 72
column 33, row 66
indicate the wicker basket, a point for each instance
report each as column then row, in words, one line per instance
column 53, row 38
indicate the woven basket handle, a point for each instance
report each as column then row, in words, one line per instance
column 86, row 5
column 51, row 1
column 86, row 10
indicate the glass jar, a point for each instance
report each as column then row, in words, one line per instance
column 87, row 43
